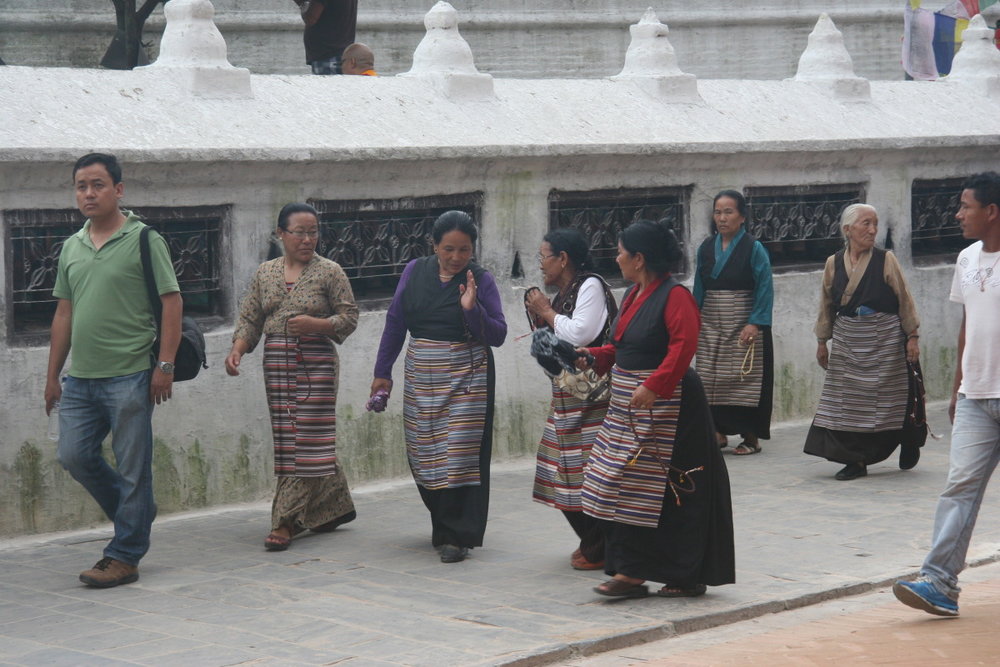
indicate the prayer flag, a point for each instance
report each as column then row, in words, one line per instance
column 918, row 43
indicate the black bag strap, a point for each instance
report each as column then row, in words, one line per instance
column 147, row 271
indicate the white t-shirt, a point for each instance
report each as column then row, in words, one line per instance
column 588, row 316
column 976, row 285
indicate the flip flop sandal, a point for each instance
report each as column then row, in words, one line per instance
column 616, row 588
column 275, row 542
column 582, row 563
column 670, row 591
column 743, row 449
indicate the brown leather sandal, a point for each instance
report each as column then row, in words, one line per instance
column 619, row 588
column 671, row 591
column 275, row 542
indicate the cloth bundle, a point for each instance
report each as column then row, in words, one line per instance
column 552, row 353
column 558, row 358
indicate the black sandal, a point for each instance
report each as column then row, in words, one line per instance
column 619, row 588
column 671, row 591
column 746, row 449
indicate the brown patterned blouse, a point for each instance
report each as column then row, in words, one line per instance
column 322, row 290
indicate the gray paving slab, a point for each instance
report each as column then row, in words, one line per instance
column 375, row 593
column 54, row 657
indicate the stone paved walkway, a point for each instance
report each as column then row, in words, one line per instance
column 375, row 593
column 871, row 629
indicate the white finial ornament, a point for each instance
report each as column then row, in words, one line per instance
column 193, row 49
column 826, row 60
column 978, row 60
column 651, row 58
column 445, row 58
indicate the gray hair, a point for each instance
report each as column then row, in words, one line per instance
column 850, row 215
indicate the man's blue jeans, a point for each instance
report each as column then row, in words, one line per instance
column 975, row 451
column 326, row 67
column 88, row 410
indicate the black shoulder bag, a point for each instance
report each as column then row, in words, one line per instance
column 190, row 357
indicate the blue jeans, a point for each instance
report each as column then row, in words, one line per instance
column 326, row 67
column 975, row 451
column 88, row 410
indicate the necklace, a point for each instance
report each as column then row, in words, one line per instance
column 984, row 275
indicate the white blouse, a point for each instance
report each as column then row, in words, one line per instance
column 588, row 317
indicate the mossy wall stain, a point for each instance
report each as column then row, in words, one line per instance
column 795, row 393
column 517, row 429
column 196, row 480
column 167, row 485
column 30, row 486
column 372, row 446
column 238, row 481
column 939, row 371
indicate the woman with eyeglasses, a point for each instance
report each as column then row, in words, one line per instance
column 733, row 288
column 580, row 313
column 301, row 304
column 655, row 477
column 451, row 308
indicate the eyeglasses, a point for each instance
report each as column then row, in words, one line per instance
column 301, row 234
column 542, row 258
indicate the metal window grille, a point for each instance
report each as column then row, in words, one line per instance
column 936, row 234
column 35, row 238
column 374, row 239
column 800, row 225
column 601, row 215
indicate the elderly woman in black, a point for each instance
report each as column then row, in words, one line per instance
column 867, row 310
column 580, row 314
column 655, row 476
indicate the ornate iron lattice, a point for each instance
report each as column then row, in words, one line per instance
column 373, row 240
column 601, row 215
column 36, row 237
column 936, row 234
column 800, row 225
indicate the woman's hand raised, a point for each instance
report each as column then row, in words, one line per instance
column 468, row 291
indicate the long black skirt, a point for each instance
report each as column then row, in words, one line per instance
column 756, row 420
column 459, row 514
column 693, row 542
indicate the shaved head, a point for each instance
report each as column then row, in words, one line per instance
column 357, row 59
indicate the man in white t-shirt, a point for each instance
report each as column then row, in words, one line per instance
column 975, row 402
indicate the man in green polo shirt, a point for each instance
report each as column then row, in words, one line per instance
column 104, row 316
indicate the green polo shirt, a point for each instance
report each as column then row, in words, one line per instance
column 113, row 327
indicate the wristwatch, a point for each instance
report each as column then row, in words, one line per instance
column 165, row 367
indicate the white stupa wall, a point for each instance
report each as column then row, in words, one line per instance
column 738, row 39
column 298, row 138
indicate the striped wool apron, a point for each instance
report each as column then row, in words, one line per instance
column 866, row 383
column 301, row 375
column 732, row 373
column 569, row 433
column 445, row 398
column 626, row 478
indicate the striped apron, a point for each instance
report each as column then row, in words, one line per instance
column 866, row 386
column 626, row 478
column 445, row 397
column 570, row 430
column 732, row 373
column 301, row 376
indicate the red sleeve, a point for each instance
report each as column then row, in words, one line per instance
column 604, row 358
column 683, row 323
